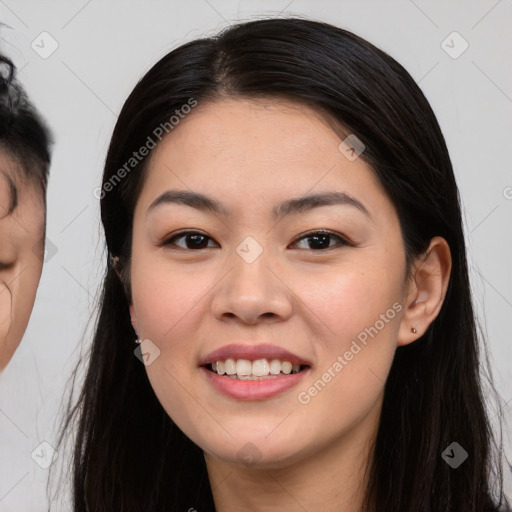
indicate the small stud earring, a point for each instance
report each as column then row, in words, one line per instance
column 138, row 341
column 413, row 330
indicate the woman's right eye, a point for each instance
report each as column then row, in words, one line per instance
column 191, row 240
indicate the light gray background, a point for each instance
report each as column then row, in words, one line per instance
column 104, row 47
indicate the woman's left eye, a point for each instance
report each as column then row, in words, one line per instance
column 321, row 240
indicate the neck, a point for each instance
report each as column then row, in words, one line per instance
column 331, row 480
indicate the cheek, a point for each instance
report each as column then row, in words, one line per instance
column 360, row 314
column 26, row 293
column 166, row 302
column 169, row 307
column 349, row 300
column 17, row 304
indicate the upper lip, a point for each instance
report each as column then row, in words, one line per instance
column 252, row 352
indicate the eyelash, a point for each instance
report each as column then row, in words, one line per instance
column 310, row 234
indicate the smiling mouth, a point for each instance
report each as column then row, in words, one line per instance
column 259, row 369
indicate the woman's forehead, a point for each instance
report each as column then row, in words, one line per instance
column 232, row 141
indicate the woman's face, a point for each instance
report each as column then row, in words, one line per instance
column 21, row 254
column 255, row 281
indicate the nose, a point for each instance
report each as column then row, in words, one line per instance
column 252, row 293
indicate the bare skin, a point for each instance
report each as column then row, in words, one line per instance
column 21, row 249
column 249, row 155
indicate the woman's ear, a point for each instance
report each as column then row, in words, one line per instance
column 120, row 269
column 134, row 318
column 425, row 291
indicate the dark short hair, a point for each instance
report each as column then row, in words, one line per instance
column 24, row 135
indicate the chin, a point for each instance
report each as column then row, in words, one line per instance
column 257, row 452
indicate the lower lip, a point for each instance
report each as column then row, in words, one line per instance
column 252, row 389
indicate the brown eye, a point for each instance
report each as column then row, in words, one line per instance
column 321, row 240
column 191, row 240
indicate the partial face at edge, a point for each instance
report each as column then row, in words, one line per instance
column 311, row 296
column 21, row 248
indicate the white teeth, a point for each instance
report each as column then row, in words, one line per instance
column 275, row 367
column 260, row 367
column 243, row 367
column 286, row 367
column 250, row 370
column 229, row 367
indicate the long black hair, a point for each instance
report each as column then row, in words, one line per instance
column 128, row 453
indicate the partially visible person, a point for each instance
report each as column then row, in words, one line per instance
column 25, row 143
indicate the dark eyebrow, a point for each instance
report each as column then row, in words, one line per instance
column 13, row 194
column 301, row 204
column 193, row 199
column 288, row 207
